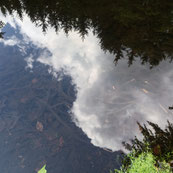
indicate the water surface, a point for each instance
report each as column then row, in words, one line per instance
column 63, row 101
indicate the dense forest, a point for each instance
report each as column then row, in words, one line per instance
column 133, row 29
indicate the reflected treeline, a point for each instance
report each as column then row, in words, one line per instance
column 134, row 28
column 1, row 26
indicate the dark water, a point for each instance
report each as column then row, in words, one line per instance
column 36, row 126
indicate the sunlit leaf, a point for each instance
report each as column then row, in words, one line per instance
column 43, row 170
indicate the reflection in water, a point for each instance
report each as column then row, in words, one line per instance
column 139, row 28
column 35, row 126
column 109, row 99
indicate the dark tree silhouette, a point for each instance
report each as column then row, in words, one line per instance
column 158, row 141
column 170, row 107
column 136, row 29
column 1, row 26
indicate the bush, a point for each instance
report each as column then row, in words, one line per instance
column 144, row 163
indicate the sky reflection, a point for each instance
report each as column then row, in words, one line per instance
column 110, row 99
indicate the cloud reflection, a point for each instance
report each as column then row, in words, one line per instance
column 110, row 99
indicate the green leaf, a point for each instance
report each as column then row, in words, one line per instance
column 43, row 170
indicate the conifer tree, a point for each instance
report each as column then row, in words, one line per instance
column 133, row 29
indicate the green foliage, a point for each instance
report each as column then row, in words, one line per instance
column 158, row 141
column 153, row 154
column 144, row 163
column 43, row 169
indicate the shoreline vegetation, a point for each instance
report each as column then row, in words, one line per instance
column 154, row 154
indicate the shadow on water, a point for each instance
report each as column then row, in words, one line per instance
column 133, row 28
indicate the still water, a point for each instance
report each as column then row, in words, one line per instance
column 64, row 102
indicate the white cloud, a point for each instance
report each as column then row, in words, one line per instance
column 10, row 42
column 110, row 99
column 29, row 60
column 8, row 19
